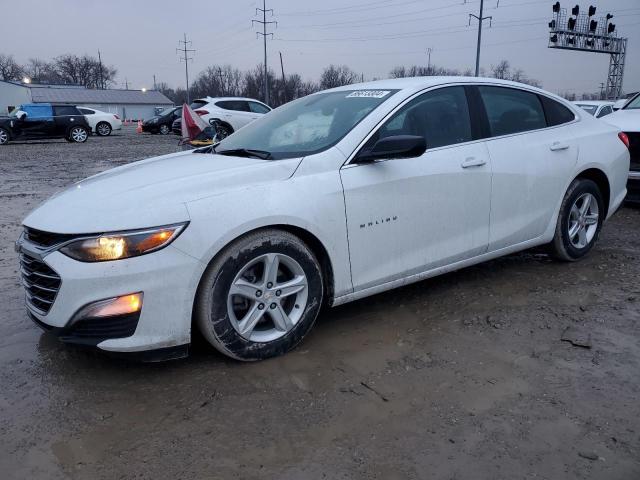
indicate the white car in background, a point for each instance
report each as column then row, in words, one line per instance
column 101, row 123
column 330, row 198
column 627, row 119
column 229, row 113
column 597, row 108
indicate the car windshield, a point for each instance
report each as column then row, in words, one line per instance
column 305, row 126
column 590, row 109
column 633, row 104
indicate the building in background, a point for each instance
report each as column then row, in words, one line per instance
column 128, row 104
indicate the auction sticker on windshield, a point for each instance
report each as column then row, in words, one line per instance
column 369, row 93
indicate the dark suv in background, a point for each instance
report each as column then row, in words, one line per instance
column 43, row 121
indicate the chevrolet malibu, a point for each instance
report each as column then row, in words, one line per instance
column 333, row 197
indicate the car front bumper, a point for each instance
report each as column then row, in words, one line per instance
column 167, row 278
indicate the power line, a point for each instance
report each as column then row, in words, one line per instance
column 186, row 58
column 264, row 35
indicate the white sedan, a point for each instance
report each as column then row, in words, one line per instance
column 330, row 198
column 229, row 113
column 101, row 123
column 597, row 108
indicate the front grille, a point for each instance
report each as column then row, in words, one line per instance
column 46, row 239
column 41, row 283
column 634, row 149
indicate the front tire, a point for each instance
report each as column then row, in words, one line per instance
column 579, row 222
column 260, row 296
column 165, row 129
column 78, row 135
column 4, row 136
column 103, row 129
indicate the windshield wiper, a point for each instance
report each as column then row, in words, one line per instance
column 245, row 152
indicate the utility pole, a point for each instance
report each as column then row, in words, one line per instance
column 429, row 50
column 284, row 80
column 222, row 89
column 601, row 90
column 126, row 84
column 155, row 87
column 481, row 20
column 185, row 52
column 264, row 35
column 101, row 76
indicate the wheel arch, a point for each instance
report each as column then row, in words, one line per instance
column 599, row 178
column 310, row 239
column 223, row 123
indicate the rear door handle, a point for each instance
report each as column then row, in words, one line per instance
column 555, row 146
column 473, row 162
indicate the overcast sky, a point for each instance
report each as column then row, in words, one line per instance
column 139, row 37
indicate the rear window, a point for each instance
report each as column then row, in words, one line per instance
column 86, row 111
column 197, row 104
column 510, row 110
column 65, row 110
column 590, row 109
column 556, row 113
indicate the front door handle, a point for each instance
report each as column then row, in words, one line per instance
column 555, row 146
column 473, row 162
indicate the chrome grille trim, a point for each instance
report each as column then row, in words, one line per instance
column 41, row 284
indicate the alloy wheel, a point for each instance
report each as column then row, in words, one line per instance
column 103, row 129
column 4, row 136
column 583, row 220
column 79, row 134
column 268, row 297
column 164, row 129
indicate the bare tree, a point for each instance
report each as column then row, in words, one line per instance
column 9, row 68
column 336, row 76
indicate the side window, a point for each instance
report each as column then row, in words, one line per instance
column 86, row 111
column 440, row 116
column 556, row 113
column 237, row 105
column 65, row 110
column 258, row 107
column 37, row 112
column 510, row 110
column 606, row 110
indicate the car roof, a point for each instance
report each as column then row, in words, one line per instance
column 217, row 99
column 593, row 102
column 415, row 84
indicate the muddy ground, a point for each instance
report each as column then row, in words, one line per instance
column 463, row 376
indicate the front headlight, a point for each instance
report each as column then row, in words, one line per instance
column 116, row 246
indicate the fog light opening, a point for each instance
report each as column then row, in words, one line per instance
column 123, row 305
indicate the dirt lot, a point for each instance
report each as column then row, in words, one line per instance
column 463, row 376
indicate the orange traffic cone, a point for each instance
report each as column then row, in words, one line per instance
column 139, row 127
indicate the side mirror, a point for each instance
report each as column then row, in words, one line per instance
column 22, row 115
column 396, row 146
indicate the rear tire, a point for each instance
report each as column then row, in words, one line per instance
column 78, row 134
column 4, row 136
column 579, row 222
column 260, row 296
column 103, row 129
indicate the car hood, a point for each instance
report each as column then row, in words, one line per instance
column 151, row 192
column 625, row 120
